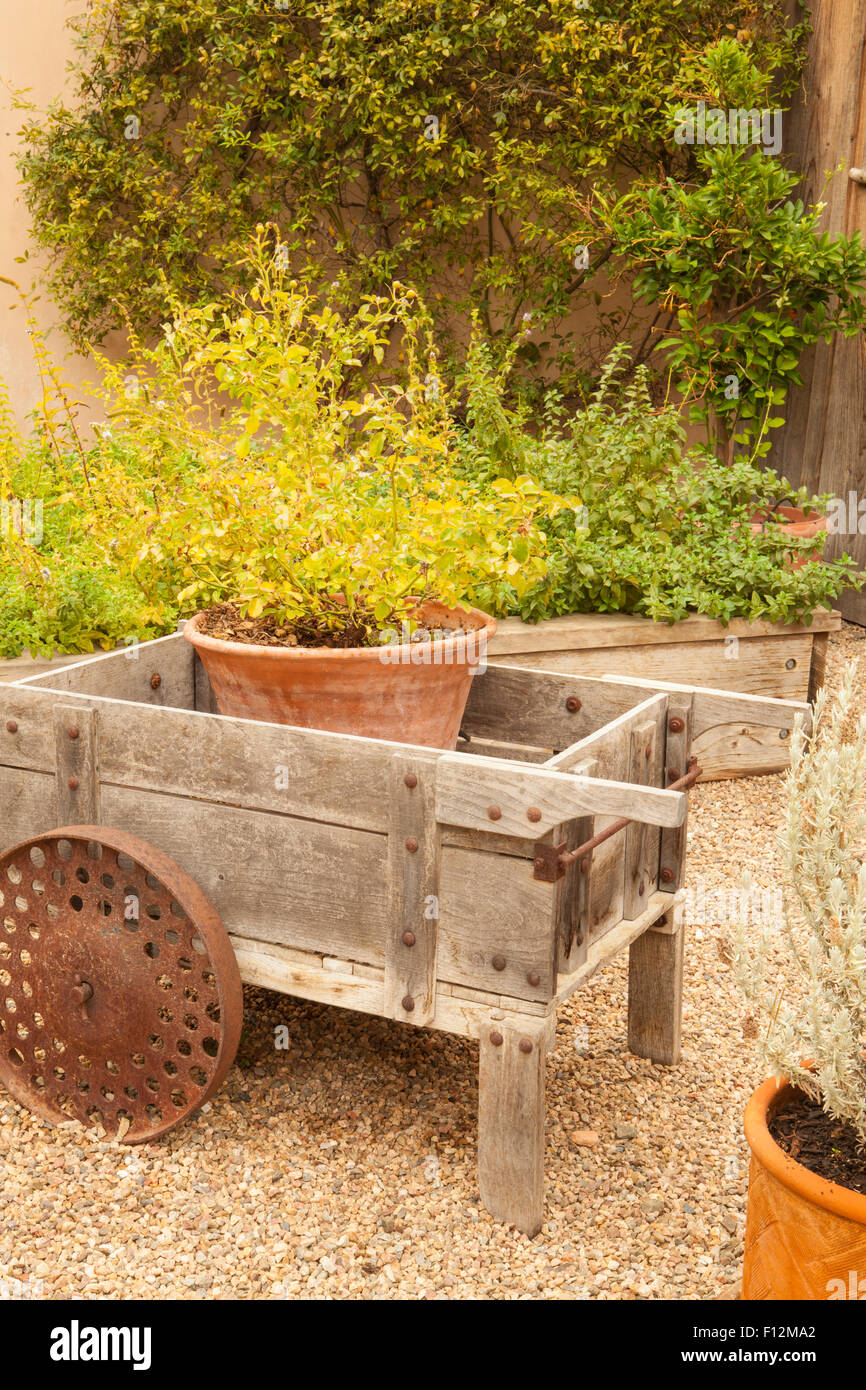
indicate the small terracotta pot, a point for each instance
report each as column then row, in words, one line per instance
column 793, row 521
column 805, row 1236
column 407, row 692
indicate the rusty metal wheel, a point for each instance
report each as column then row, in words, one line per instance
column 120, row 995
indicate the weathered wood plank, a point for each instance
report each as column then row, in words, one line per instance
column 271, row 967
column 758, row 665
column 609, row 632
column 641, row 841
column 415, row 852
column 28, row 805
column 511, row 1080
column 572, row 892
column 678, row 733
column 154, row 673
column 275, row 878
column 242, row 762
column 607, row 738
column 496, row 925
column 77, row 765
column 532, row 800
column 610, row 945
column 520, row 706
column 655, row 995
column 713, row 707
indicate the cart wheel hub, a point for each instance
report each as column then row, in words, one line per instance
column 120, row 996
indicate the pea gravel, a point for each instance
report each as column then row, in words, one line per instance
column 344, row 1166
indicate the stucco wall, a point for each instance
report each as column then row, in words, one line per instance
column 35, row 46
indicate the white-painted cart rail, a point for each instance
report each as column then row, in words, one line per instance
column 399, row 880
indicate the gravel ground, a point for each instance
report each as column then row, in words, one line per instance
column 345, row 1166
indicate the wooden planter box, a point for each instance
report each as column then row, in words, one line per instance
column 769, row 659
column 320, row 852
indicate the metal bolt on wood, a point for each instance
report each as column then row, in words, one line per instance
column 155, row 681
column 412, row 845
column 667, row 875
column 534, row 978
column 408, row 1003
column 496, row 1038
column 533, row 814
column 494, row 813
column 11, row 726
column 73, row 784
column 499, row 962
column 73, row 731
column 410, row 780
column 525, row 1045
column 408, row 938
column 572, row 704
column 676, row 725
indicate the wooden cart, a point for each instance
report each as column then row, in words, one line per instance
column 427, row 887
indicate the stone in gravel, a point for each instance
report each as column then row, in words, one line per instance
column 730, row 1224
column 584, row 1138
column 652, row 1206
column 625, row 1132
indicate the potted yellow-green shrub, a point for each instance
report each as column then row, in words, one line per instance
column 806, row 1125
column 325, row 541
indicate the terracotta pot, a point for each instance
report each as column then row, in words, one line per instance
column 793, row 521
column 408, row 692
column 805, row 1236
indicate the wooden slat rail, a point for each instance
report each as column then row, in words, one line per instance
column 531, row 800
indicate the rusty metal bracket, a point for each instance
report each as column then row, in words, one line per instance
column 547, row 865
column 550, row 862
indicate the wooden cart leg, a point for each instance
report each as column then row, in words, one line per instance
column 655, row 992
column 511, row 1120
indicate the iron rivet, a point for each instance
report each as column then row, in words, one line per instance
column 408, row 1003
column 408, row 938
column 673, row 774
column 496, row 1038
column 72, row 784
column 11, row 726
column 410, row 779
column 533, row 814
column 155, row 681
column 790, row 664
column 667, row 875
column 412, row 844
column 525, row 1045
column 494, row 813
column 676, row 725
column 73, row 731
column 784, row 733
column 539, row 866
column 498, row 962
column 534, row 978
column 572, row 704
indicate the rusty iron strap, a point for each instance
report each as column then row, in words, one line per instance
column 682, row 784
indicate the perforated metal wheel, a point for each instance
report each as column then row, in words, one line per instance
column 120, row 996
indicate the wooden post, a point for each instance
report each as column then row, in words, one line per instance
column 655, row 992
column 77, row 765
column 413, row 866
column 511, row 1120
column 823, row 442
column 678, row 744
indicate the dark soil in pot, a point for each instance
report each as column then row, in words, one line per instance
column 829, row 1148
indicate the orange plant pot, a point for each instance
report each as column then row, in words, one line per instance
column 805, row 1236
column 408, row 692
column 794, row 522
